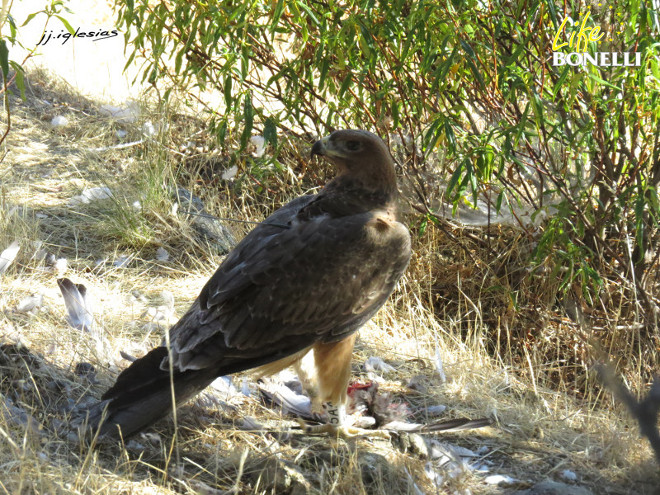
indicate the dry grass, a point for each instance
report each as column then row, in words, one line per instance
column 450, row 304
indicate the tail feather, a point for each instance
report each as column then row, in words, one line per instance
column 143, row 395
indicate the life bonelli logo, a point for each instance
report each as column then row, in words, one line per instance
column 573, row 40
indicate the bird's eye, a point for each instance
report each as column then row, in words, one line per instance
column 352, row 145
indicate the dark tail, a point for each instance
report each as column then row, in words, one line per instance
column 142, row 395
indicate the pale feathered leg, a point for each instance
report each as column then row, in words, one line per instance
column 333, row 371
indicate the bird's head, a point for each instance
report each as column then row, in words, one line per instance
column 360, row 155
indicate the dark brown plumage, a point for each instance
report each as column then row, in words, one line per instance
column 306, row 278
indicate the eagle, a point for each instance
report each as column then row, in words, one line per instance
column 303, row 280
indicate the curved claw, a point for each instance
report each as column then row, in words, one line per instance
column 343, row 431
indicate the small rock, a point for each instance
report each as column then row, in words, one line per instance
column 59, row 386
column 210, row 228
column 134, row 445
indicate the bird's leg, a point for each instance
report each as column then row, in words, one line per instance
column 307, row 376
column 336, row 414
column 337, row 426
column 333, row 371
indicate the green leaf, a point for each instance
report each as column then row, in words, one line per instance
column 248, row 120
column 30, row 17
column 345, row 85
column 66, row 24
column 423, row 224
column 4, row 59
column 454, row 178
column 227, row 92
column 451, row 137
column 309, row 12
column 20, row 78
column 270, row 131
column 277, row 13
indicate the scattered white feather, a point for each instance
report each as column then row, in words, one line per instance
column 59, row 121
column 500, row 479
column 436, row 410
column 439, row 369
column 162, row 254
column 230, row 173
column 78, row 307
column 8, row 255
column 224, row 386
column 137, row 206
column 121, row 134
column 127, row 114
column 375, row 363
column 435, row 477
column 249, row 423
column 245, row 387
column 148, row 129
column 89, row 195
column 122, row 261
column 30, row 303
column 481, row 467
column 568, row 475
column 259, row 144
column 60, row 265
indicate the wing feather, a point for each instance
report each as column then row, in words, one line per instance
column 286, row 286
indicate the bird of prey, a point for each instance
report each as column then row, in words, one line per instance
column 305, row 279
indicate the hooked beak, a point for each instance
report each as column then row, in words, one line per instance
column 320, row 147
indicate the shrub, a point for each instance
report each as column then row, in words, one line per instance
column 468, row 97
